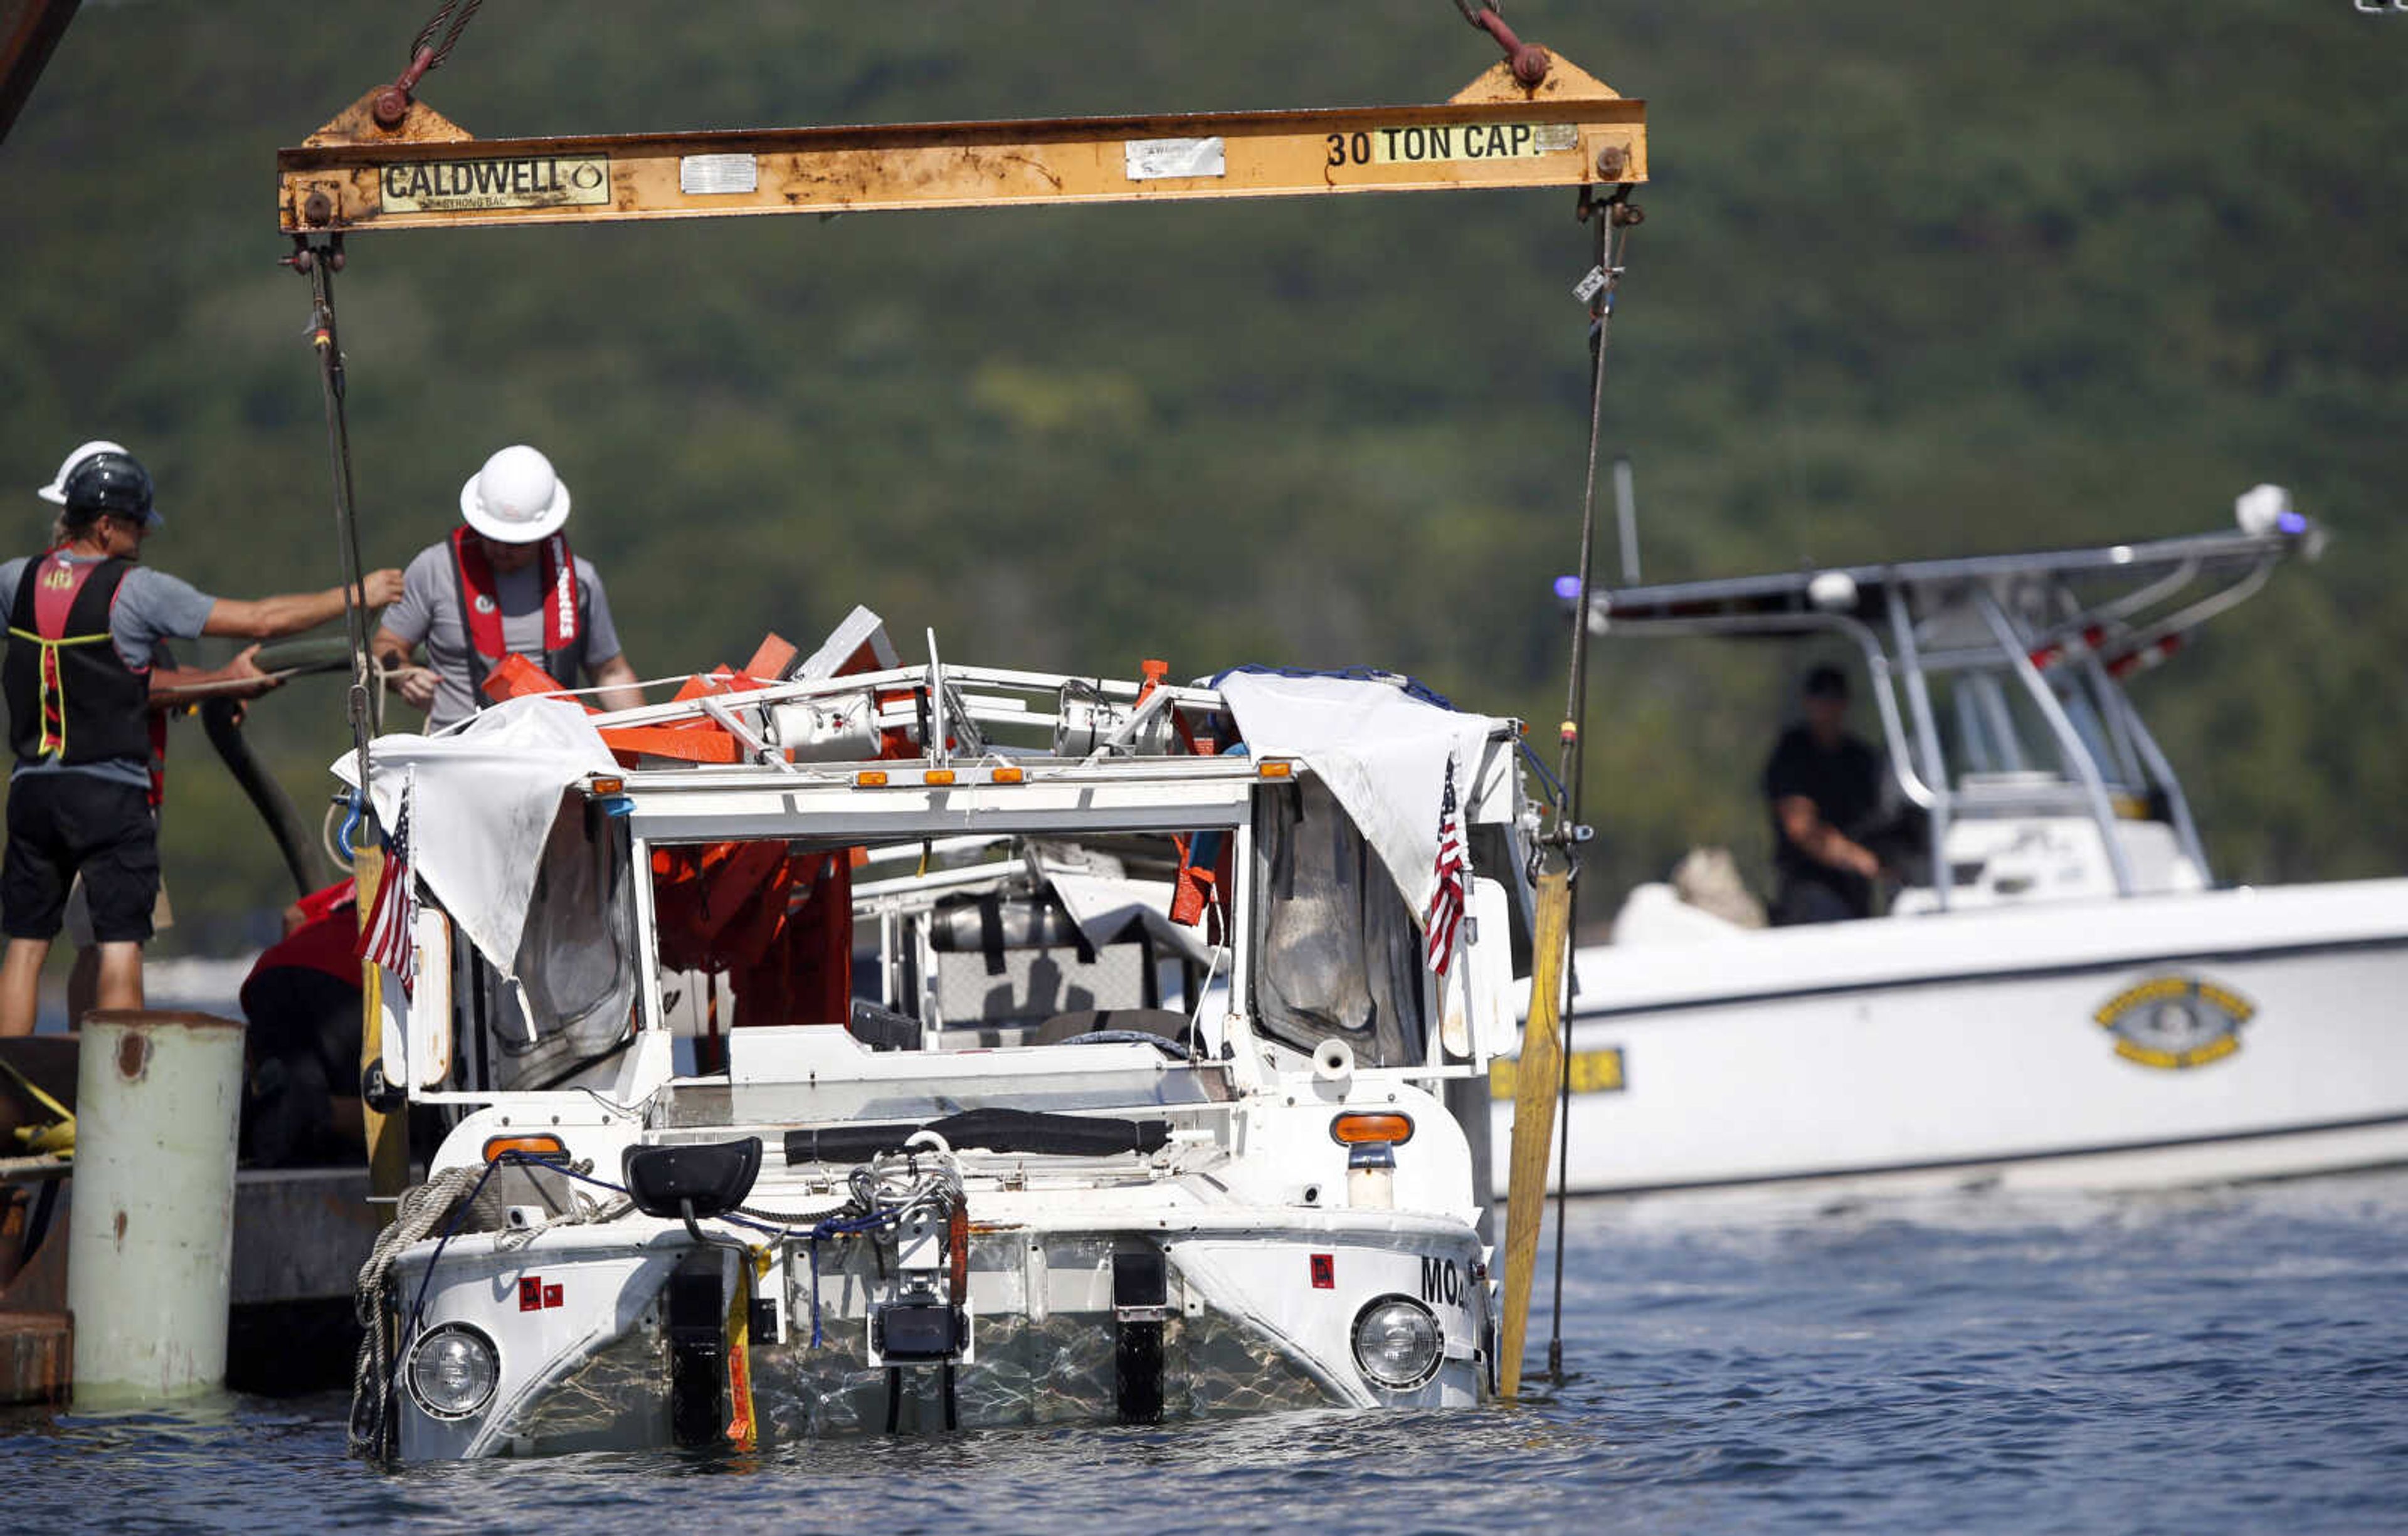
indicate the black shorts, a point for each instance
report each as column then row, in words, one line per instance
column 62, row 823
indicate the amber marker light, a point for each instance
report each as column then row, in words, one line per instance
column 870, row 778
column 1275, row 770
column 544, row 1145
column 605, row 786
column 1360, row 1130
column 939, row 777
column 1009, row 776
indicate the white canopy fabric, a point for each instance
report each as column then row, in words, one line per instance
column 1382, row 752
column 1103, row 906
column 485, row 798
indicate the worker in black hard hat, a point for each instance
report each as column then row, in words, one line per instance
column 84, row 622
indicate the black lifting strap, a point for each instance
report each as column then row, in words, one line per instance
column 1614, row 218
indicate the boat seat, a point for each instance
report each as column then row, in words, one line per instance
column 1165, row 1027
column 882, row 1029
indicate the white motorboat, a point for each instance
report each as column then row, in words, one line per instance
column 1081, row 1062
column 2059, row 994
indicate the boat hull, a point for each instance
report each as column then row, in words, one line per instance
column 1247, row 1326
column 2123, row 1044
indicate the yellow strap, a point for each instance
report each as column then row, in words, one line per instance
column 50, row 745
column 743, row 1430
column 43, row 1138
column 1535, row 1083
column 58, row 1138
column 61, row 1111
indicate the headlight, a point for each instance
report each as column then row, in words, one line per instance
column 1397, row 1342
column 453, row 1371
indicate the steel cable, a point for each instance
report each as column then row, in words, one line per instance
column 467, row 10
column 1613, row 240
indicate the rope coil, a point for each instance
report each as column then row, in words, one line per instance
column 416, row 1216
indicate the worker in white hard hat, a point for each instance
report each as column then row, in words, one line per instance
column 504, row 583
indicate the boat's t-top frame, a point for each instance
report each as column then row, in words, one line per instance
column 2053, row 632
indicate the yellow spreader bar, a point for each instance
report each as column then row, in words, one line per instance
column 1569, row 129
column 388, row 1131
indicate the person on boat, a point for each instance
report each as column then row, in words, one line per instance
column 241, row 679
column 1822, row 784
column 300, row 1095
column 504, row 583
column 79, row 796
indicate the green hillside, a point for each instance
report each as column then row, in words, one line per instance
column 1914, row 281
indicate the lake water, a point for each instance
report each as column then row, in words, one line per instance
column 2226, row 1362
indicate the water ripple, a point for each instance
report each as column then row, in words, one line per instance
column 2226, row 1362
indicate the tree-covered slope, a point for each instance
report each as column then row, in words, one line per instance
column 1914, row 281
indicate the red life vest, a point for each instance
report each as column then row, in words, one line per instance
column 480, row 608
column 326, row 942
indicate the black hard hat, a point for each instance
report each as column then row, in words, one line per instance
column 115, row 484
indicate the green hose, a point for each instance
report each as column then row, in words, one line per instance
column 329, row 654
column 221, row 718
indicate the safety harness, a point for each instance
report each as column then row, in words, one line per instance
column 105, row 716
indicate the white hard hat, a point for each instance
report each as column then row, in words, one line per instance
column 516, row 498
column 56, row 491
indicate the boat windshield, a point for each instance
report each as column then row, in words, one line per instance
column 577, row 973
column 1990, row 730
column 961, row 943
column 1337, row 955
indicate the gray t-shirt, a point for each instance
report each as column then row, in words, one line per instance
column 152, row 606
column 429, row 614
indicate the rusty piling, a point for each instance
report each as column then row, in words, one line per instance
column 158, row 1102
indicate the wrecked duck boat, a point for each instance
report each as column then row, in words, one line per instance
column 1086, row 1056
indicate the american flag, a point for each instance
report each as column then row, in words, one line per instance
column 386, row 937
column 1446, row 902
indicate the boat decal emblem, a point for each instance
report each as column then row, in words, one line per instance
column 534, row 1295
column 2172, row 1022
column 1325, row 1271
